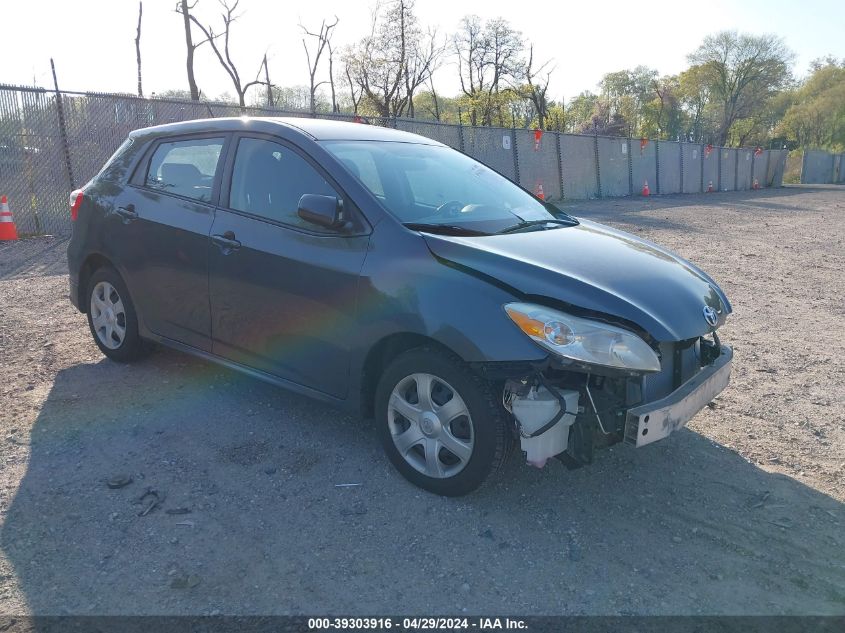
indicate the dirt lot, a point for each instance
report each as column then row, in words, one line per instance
column 742, row 513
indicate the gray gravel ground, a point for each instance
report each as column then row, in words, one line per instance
column 742, row 513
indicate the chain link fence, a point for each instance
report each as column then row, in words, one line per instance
column 493, row 146
column 579, row 166
column 613, row 166
column 692, row 167
column 539, row 166
column 644, row 165
column 822, row 168
column 52, row 143
column 670, row 170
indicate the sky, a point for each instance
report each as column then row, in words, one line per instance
column 92, row 41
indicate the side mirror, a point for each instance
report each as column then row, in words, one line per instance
column 325, row 211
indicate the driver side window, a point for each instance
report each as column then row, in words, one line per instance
column 268, row 179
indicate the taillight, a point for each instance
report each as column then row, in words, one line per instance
column 75, row 202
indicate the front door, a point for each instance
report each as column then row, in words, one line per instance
column 283, row 291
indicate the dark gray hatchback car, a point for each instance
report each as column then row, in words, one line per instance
column 389, row 274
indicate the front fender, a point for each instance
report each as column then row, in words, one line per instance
column 405, row 289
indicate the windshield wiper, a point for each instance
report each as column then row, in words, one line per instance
column 446, row 229
column 529, row 223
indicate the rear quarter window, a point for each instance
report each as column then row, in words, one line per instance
column 117, row 166
column 124, row 147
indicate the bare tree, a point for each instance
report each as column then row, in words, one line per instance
column 138, row 47
column 353, row 85
column 224, row 56
column 376, row 64
column 489, row 58
column 323, row 40
column 470, row 49
column 425, row 54
column 391, row 63
column 537, row 86
column 184, row 9
column 335, row 107
column 267, row 82
column 435, row 110
column 505, row 47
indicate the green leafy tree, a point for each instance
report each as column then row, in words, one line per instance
column 742, row 71
column 579, row 112
column 815, row 115
column 696, row 105
column 625, row 93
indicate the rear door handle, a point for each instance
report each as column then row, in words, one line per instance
column 226, row 242
column 128, row 213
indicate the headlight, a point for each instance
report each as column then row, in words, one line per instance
column 583, row 340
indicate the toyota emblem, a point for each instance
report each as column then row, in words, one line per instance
column 711, row 316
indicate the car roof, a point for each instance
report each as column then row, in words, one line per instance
column 316, row 129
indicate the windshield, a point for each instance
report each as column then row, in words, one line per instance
column 430, row 187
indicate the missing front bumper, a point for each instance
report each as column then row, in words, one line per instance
column 654, row 421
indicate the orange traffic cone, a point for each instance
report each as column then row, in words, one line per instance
column 539, row 193
column 756, row 184
column 646, row 191
column 710, row 187
column 8, row 230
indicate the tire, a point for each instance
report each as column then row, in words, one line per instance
column 474, row 426
column 112, row 318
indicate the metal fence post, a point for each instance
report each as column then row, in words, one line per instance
column 630, row 170
column 681, row 163
column 701, row 156
column 768, row 166
column 753, row 160
column 559, row 163
column 598, row 168
column 63, row 128
column 657, row 166
column 736, row 170
column 515, row 156
column 719, row 170
column 803, row 165
column 461, row 141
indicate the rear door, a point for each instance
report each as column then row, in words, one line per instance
column 283, row 291
column 158, row 231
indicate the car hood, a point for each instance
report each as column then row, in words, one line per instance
column 597, row 268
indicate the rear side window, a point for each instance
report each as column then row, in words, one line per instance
column 268, row 180
column 185, row 168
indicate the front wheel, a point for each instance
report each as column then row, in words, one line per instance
column 440, row 424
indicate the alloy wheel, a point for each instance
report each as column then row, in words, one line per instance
column 430, row 425
column 108, row 315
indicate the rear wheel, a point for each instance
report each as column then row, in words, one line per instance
column 112, row 317
column 440, row 423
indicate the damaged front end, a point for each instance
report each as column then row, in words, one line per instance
column 566, row 410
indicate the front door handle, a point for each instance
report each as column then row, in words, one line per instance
column 226, row 242
column 128, row 213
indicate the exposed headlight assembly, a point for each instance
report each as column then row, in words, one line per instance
column 583, row 340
